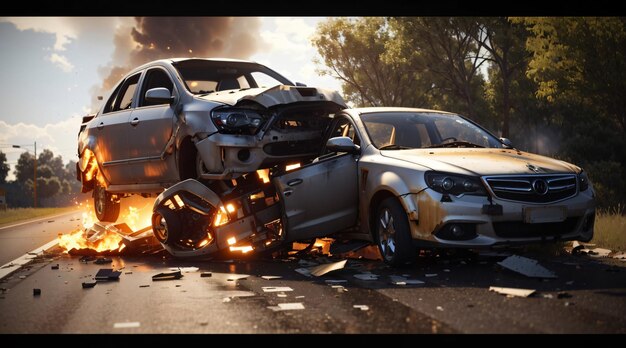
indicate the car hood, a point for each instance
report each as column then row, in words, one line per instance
column 280, row 94
column 482, row 161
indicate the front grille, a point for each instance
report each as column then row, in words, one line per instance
column 533, row 188
column 518, row 229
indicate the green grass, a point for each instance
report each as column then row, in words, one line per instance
column 20, row 214
column 610, row 230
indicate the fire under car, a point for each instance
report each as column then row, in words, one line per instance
column 400, row 177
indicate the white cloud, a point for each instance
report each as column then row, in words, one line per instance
column 60, row 138
column 61, row 62
column 58, row 26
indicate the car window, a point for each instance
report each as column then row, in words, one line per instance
column 109, row 105
column 381, row 134
column 458, row 129
column 155, row 78
column 124, row 98
column 344, row 128
column 263, row 80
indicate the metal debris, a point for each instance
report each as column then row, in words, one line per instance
column 304, row 271
column 36, row 292
column 206, row 274
column 398, row 280
column 86, row 259
column 301, row 296
column 126, row 325
column 167, row 276
column 106, row 274
column 226, row 299
column 281, row 295
column 328, row 267
column 366, row 276
column 54, row 266
column 271, row 277
column 512, row 292
column 599, row 252
column 128, row 272
column 102, row 261
column 361, row 307
column 577, row 247
column 235, row 277
column 620, row 256
column 144, row 286
column 287, row 306
column 185, row 269
column 335, row 281
column 528, row 267
column 276, row 288
column 88, row 285
column 439, row 308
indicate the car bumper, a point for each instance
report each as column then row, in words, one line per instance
column 466, row 222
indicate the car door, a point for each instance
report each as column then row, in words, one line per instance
column 109, row 127
column 322, row 197
column 148, row 131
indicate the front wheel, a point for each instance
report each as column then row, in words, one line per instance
column 393, row 234
column 106, row 206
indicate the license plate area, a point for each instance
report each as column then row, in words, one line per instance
column 538, row 215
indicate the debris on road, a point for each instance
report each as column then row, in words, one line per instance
column 327, row 267
column 235, row 277
column 304, row 271
column 36, row 292
column 206, row 274
column 512, row 292
column 107, row 274
column 22, row 277
column 398, row 280
column 439, row 308
column 598, row 252
column 88, row 285
column 366, row 276
column 361, row 307
column 620, row 256
column 281, row 294
column 528, row 267
column 54, row 266
column 102, row 261
column 144, row 286
column 335, row 281
column 126, row 325
column 167, row 276
column 301, row 296
column 271, row 277
column 276, row 288
column 287, row 306
column 185, row 269
column 430, row 275
column 87, row 259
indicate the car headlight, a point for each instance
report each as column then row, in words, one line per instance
column 454, row 184
column 236, row 121
column 583, row 181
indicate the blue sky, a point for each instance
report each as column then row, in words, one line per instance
column 52, row 66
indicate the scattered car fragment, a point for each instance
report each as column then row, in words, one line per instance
column 107, row 274
column 270, row 277
column 167, row 276
column 528, row 267
column 287, row 306
column 276, row 288
column 366, row 276
column 399, row 280
column 327, row 267
column 512, row 292
column 36, row 292
column 88, row 285
column 361, row 307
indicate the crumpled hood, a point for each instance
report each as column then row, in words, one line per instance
column 482, row 161
column 280, row 94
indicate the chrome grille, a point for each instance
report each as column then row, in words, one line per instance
column 533, row 188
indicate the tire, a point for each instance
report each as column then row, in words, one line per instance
column 393, row 234
column 105, row 206
column 166, row 225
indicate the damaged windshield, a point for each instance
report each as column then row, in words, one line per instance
column 404, row 130
column 206, row 76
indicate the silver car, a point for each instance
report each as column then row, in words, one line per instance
column 403, row 178
column 206, row 119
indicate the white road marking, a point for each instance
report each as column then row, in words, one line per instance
column 37, row 220
column 14, row 265
column 126, row 325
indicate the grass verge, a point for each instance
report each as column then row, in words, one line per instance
column 15, row 215
column 610, row 230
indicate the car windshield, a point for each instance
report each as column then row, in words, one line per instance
column 207, row 76
column 410, row 130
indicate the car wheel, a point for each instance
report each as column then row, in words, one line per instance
column 393, row 234
column 166, row 225
column 106, row 207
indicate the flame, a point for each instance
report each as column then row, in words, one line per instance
column 292, row 166
column 231, row 241
column 78, row 240
column 264, row 175
column 244, row 249
column 137, row 218
column 221, row 217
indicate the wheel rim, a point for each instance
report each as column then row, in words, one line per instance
column 160, row 228
column 100, row 200
column 386, row 234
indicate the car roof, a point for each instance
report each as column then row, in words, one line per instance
column 168, row 61
column 369, row 110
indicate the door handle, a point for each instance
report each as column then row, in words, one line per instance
column 294, row 182
column 287, row 193
column 134, row 122
column 101, row 125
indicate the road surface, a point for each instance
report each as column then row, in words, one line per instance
column 589, row 296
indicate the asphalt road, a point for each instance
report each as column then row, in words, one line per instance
column 454, row 298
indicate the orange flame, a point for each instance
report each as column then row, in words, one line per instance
column 78, row 240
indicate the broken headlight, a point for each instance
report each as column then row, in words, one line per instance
column 454, row 184
column 236, row 121
column 583, row 181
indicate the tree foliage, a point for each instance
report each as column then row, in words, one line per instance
column 4, row 167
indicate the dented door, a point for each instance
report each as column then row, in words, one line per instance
column 320, row 198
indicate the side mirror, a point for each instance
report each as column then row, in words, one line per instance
column 506, row 142
column 300, row 84
column 159, row 95
column 342, row 144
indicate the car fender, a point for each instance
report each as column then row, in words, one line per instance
column 395, row 184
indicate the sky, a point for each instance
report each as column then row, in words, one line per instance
column 54, row 67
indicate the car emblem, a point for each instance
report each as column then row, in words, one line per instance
column 533, row 168
column 540, row 186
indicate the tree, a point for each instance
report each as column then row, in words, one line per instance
column 4, row 168
column 353, row 51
